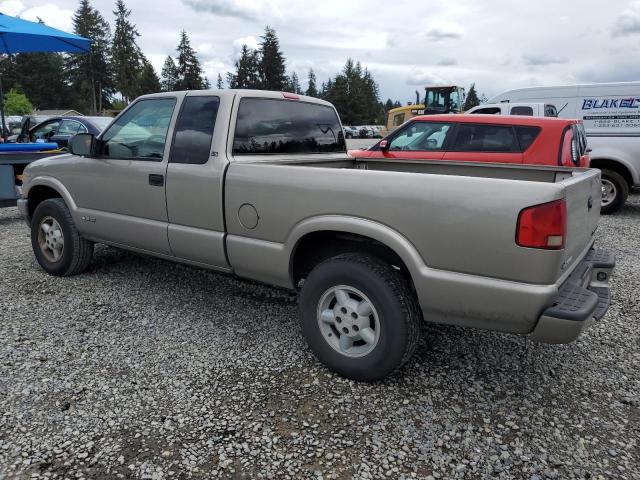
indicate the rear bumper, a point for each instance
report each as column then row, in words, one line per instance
column 582, row 300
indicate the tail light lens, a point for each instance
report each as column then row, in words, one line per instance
column 543, row 226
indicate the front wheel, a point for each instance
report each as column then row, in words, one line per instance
column 614, row 191
column 56, row 242
column 359, row 316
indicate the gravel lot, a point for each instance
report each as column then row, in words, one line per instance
column 143, row 368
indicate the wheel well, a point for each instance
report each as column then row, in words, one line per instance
column 316, row 247
column 39, row 194
column 615, row 166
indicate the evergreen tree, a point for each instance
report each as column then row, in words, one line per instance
column 189, row 69
column 247, row 73
column 312, row 89
column 90, row 75
column 293, row 84
column 169, row 75
column 272, row 64
column 472, row 98
column 41, row 76
column 125, row 53
column 219, row 83
column 355, row 95
column 148, row 81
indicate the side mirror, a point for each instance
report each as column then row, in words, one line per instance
column 82, row 144
column 384, row 145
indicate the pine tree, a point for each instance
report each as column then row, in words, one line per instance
column 247, row 70
column 190, row 75
column 126, row 55
column 148, row 81
column 293, row 84
column 472, row 98
column 312, row 89
column 169, row 75
column 355, row 95
column 219, row 83
column 91, row 75
column 272, row 64
column 41, row 76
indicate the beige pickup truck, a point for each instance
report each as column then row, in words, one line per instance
column 259, row 185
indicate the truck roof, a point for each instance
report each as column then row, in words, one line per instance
column 496, row 119
column 243, row 93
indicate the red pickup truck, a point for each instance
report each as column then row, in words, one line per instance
column 486, row 138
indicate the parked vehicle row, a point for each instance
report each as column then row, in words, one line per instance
column 373, row 245
column 365, row 131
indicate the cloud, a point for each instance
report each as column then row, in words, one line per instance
column 253, row 10
column 419, row 76
column 628, row 22
column 444, row 30
column 51, row 14
column 538, row 60
column 447, row 62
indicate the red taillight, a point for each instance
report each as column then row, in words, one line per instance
column 543, row 226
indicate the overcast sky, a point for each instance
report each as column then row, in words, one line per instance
column 499, row 44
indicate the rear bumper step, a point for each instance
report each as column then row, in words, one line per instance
column 583, row 299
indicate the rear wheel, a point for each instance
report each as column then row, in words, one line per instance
column 56, row 242
column 614, row 191
column 359, row 316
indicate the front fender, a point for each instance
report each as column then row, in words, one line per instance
column 53, row 183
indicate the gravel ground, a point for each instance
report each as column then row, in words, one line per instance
column 142, row 368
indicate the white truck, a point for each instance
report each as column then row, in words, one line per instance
column 526, row 109
column 611, row 116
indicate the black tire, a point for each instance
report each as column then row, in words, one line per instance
column 621, row 191
column 76, row 252
column 394, row 301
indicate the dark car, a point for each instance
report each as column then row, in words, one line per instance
column 60, row 129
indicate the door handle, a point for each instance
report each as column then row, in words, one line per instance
column 156, row 180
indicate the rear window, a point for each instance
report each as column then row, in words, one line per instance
column 522, row 110
column 526, row 136
column 272, row 126
column 485, row 138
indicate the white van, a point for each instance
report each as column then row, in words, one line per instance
column 611, row 116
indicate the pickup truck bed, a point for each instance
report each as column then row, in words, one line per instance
column 372, row 246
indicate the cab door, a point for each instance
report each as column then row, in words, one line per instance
column 120, row 192
column 195, row 176
column 484, row 143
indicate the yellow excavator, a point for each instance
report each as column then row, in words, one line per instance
column 437, row 99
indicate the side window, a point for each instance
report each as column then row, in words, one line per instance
column 268, row 126
column 487, row 111
column 485, row 138
column 45, row 132
column 141, row 132
column 421, row 136
column 522, row 110
column 398, row 119
column 194, row 129
column 526, row 136
column 68, row 128
column 550, row 111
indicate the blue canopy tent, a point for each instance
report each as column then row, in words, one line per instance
column 22, row 36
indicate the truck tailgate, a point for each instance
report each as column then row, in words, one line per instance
column 583, row 192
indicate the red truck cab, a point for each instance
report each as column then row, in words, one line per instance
column 486, row 138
